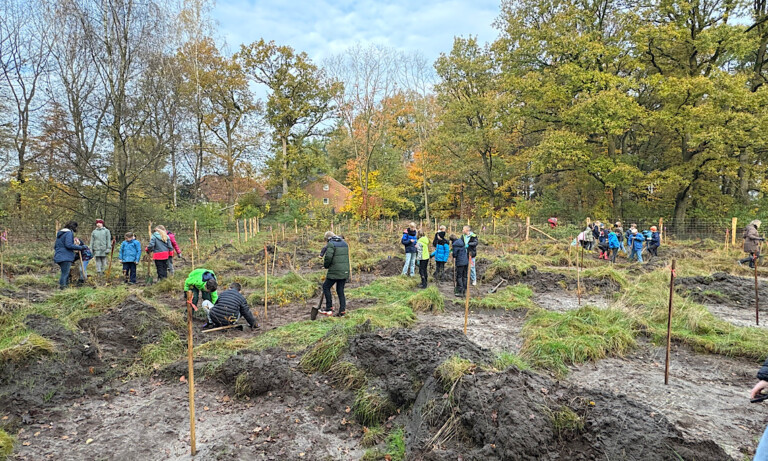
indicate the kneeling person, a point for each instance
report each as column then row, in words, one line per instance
column 201, row 282
column 229, row 307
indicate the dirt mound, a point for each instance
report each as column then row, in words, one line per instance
column 253, row 374
column 521, row 416
column 545, row 282
column 121, row 333
column 402, row 359
column 389, row 266
column 721, row 288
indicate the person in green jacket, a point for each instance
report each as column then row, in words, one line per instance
column 336, row 260
column 101, row 244
column 422, row 250
column 201, row 281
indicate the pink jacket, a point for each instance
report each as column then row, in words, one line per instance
column 174, row 244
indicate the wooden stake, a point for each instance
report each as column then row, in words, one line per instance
column 191, row 379
column 542, row 232
column 494, row 225
column 669, row 321
column 466, row 302
column 56, row 231
column 274, row 259
column 661, row 229
column 527, row 227
column 191, row 242
column 283, row 226
column 237, row 224
column 734, row 221
column 295, row 226
column 245, row 230
column 196, row 246
column 266, row 260
column 257, row 225
column 757, row 295
column 578, row 275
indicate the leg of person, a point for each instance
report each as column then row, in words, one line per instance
column 82, row 270
column 161, row 269
column 761, row 454
column 170, row 265
column 413, row 264
column 473, row 273
column 327, row 284
column 195, row 295
column 461, row 279
column 423, row 272
column 614, row 252
column 132, row 273
column 101, row 264
column 126, row 270
column 342, row 297
column 440, row 270
column 640, row 256
column 64, row 277
column 407, row 263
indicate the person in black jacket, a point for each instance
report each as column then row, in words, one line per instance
column 229, row 307
column 762, row 447
column 461, row 262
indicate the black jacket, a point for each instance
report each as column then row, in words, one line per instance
column 440, row 239
column 229, row 307
column 763, row 373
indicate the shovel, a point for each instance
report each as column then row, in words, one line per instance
column 149, row 270
column 239, row 326
column 316, row 309
column 111, row 256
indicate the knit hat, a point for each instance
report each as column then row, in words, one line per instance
column 99, row 221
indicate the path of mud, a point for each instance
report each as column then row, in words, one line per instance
column 707, row 396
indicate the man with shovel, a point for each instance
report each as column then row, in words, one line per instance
column 229, row 307
column 336, row 260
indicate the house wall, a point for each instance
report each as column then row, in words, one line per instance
column 336, row 194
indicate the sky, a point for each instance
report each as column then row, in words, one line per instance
column 323, row 28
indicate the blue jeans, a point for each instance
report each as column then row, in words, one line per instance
column 473, row 272
column 638, row 254
column 64, row 278
column 762, row 448
column 410, row 261
column 84, row 275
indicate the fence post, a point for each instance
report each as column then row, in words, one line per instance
column 527, row 227
column 661, row 229
column 733, row 231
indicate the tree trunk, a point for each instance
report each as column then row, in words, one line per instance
column 20, row 179
column 285, row 165
column 681, row 207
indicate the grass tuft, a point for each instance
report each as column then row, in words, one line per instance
column 282, row 290
column 30, row 346
column 505, row 360
column 452, row 370
column 509, row 298
column 373, row 436
column 6, row 445
column 347, row 375
column 243, row 385
column 509, row 266
column 565, row 421
column 325, row 352
column 429, row 299
column 371, row 407
column 169, row 349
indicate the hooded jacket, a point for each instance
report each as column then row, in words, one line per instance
column 130, row 251
column 442, row 252
column 655, row 241
column 336, row 259
column 751, row 238
column 64, row 248
column 160, row 250
column 423, row 247
column 613, row 240
column 172, row 238
column 460, row 253
column 637, row 242
column 409, row 240
column 197, row 279
column 229, row 306
column 471, row 243
column 101, row 241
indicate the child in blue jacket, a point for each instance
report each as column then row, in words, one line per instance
column 614, row 244
column 441, row 253
column 409, row 242
column 130, row 255
column 637, row 245
column 655, row 242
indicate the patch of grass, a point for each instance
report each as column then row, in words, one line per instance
column 325, row 352
column 453, row 369
column 347, row 375
column 36, row 281
column 607, row 272
column 554, row 340
column 371, row 407
column 429, row 299
column 373, row 436
column 508, row 266
column 221, row 265
column 509, row 298
column 169, row 349
column 283, row 290
column 167, row 285
column 565, row 421
column 505, row 360
column 243, row 385
column 6, row 445
column 396, row 444
column 73, row 305
column 21, row 348
column 387, row 290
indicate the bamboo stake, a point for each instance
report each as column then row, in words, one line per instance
column 196, row 245
column 295, row 226
column 527, row 227
column 257, row 224
column 734, row 221
column 266, row 260
column 191, row 380
column 283, row 226
column 274, row 259
column 578, row 275
column 3, row 246
column 669, row 321
column 245, row 230
column 237, row 224
column 757, row 295
column 466, row 302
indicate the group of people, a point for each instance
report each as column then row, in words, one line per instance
column 220, row 309
column 69, row 249
column 609, row 241
column 463, row 250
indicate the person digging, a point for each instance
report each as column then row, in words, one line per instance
column 201, row 283
column 229, row 307
column 336, row 260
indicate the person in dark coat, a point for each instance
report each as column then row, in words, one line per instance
column 409, row 242
column 336, row 260
column 461, row 263
column 654, row 242
column 752, row 241
column 229, row 307
column 470, row 241
column 441, row 253
column 64, row 251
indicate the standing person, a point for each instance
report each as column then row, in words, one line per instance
column 613, row 244
column 64, row 251
column 441, row 253
column 552, row 222
column 761, row 454
column 589, row 237
column 470, row 240
column 160, row 247
column 637, row 245
column 596, row 233
column 130, row 255
column 422, row 247
column 101, row 243
column 409, row 242
column 752, row 244
column 176, row 248
column 653, row 243
column 631, row 247
column 460, row 261
column 201, row 283
column 602, row 242
column 229, row 307
column 619, row 230
column 336, row 260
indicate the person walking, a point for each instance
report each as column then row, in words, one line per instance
column 636, row 241
column 422, row 248
column 409, row 242
column 441, row 253
column 176, row 249
column 619, row 230
column 653, row 243
column 130, row 256
column 752, row 241
column 336, row 260
column 470, row 240
column 630, row 247
column 64, row 251
column 460, row 261
column 201, row 283
column 101, row 244
column 613, row 244
column 229, row 307
column 160, row 247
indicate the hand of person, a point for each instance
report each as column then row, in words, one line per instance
column 77, row 241
column 120, row 261
column 758, row 387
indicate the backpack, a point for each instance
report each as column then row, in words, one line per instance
column 647, row 234
column 86, row 254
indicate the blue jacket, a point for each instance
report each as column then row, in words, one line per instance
column 637, row 241
column 441, row 253
column 64, row 248
column 460, row 253
column 409, row 241
column 613, row 240
column 130, row 251
column 603, row 238
column 655, row 240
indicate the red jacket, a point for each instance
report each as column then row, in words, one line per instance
column 174, row 244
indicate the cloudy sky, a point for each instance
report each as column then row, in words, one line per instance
column 326, row 27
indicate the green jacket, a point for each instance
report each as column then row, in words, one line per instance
column 336, row 259
column 195, row 279
column 101, row 241
column 424, row 244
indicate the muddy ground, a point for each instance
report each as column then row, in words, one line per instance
column 723, row 289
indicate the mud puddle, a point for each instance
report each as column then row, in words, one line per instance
column 567, row 301
column 707, row 397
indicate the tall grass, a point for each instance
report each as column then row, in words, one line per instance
column 508, row 298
